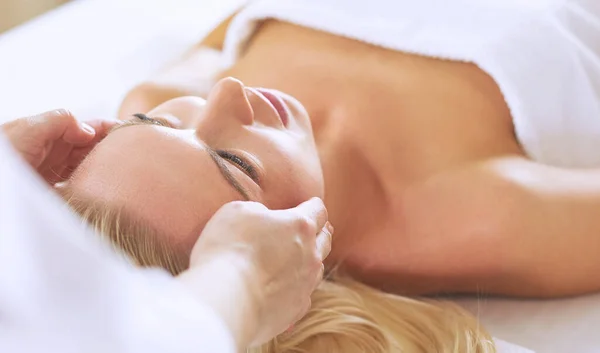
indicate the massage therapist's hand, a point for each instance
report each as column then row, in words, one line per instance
column 274, row 258
column 54, row 143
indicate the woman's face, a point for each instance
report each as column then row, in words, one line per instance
column 244, row 143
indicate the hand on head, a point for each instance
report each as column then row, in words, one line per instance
column 54, row 143
column 279, row 255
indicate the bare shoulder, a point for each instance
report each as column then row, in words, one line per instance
column 445, row 234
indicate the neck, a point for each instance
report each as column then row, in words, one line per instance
column 354, row 195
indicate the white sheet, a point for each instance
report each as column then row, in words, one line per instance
column 87, row 54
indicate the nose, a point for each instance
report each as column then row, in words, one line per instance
column 228, row 100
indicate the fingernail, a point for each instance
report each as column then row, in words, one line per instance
column 329, row 227
column 58, row 112
column 87, row 128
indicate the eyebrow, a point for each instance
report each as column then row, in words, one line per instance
column 128, row 123
column 223, row 168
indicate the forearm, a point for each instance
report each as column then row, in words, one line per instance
column 223, row 286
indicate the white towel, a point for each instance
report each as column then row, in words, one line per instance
column 543, row 54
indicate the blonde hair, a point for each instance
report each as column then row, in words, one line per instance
column 345, row 317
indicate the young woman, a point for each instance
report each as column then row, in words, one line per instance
column 150, row 188
column 458, row 141
column 455, row 143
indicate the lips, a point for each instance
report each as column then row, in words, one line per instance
column 277, row 103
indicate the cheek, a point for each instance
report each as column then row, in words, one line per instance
column 293, row 184
column 294, row 172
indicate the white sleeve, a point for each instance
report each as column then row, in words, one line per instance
column 506, row 347
column 63, row 290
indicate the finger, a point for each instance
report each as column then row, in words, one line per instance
column 61, row 124
column 320, row 275
column 313, row 209
column 53, row 175
column 303, row 312
column 75, row 158
column 324, row 240
column 78, row 155
column 62, row 174
column 103, row 126
column 55, row 162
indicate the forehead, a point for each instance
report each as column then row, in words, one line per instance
column 166, row 180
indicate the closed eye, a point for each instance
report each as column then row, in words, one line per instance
column 240, row 163
column 231, row 158
column 155, row 121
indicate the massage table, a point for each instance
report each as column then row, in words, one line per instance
column 86, row 55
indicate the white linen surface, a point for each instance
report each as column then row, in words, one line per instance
column 86, row 55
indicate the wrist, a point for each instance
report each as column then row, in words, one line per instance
column 224, row 283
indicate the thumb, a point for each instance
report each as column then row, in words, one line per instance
column 62, row 124
column 313, row 209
